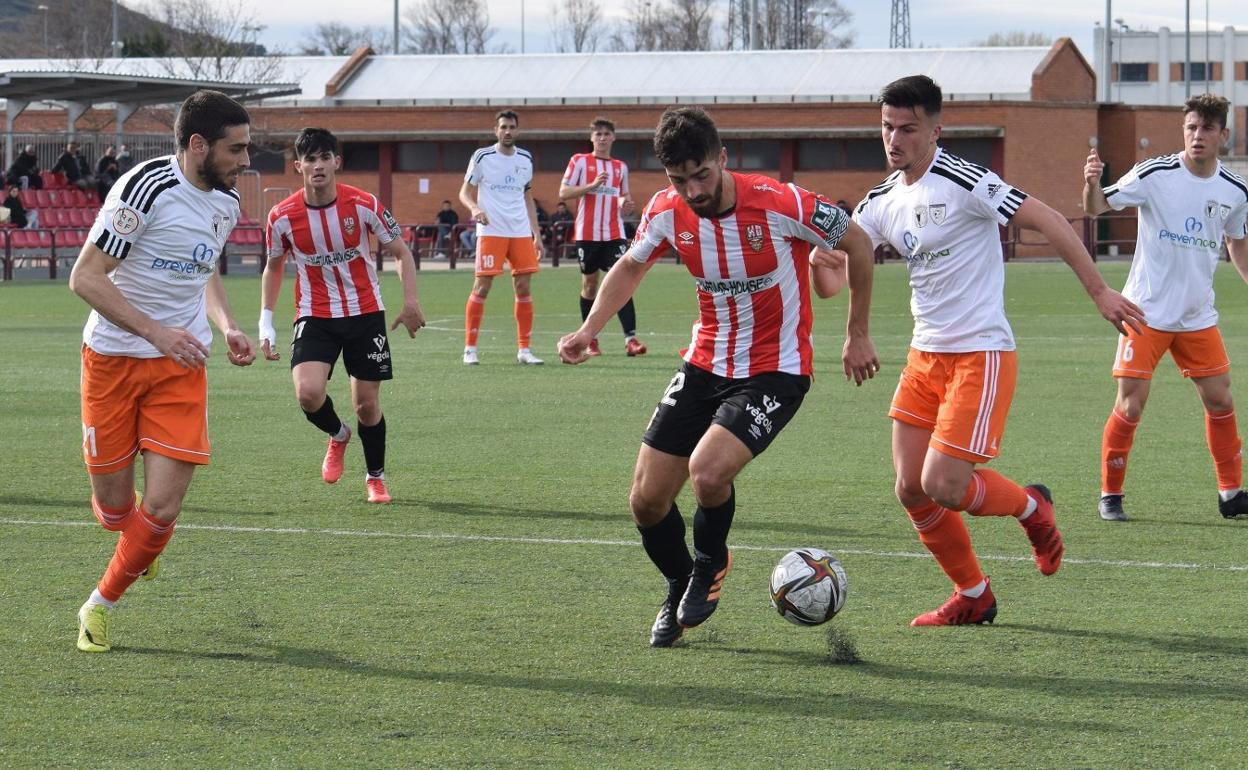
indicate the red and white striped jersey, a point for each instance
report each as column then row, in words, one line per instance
column 598, row 211
column 336, row 277
column 752, row 271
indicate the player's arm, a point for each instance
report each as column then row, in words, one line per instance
column 1094, row 200
column 537, row 230
column 615, row 290
column 569, row 192
column 1035, row 215
column 475, row 213
column 270, row 290
column 89, row 280
column 627, row 205
column 411, row 316
column 240, row 351
column 1237, row 248
column 858, row 354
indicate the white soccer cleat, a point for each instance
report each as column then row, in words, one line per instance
column 470, row 357
column 526, row 357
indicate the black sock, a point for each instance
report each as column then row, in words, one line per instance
column 325, row 418
column 665, row 545
column 710, row 528
column 373, row 438
column 586, row 304
column 628, row 319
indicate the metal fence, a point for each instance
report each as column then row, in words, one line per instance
column 49, row 146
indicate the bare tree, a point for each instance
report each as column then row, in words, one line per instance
column 1015, row 37
column 447, row 27
column 77, row 31
column 217, row 41
column 665, row 25
column 790, row 24
column 333, row 38
column 576, row 25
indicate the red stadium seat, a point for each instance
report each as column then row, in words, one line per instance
column 29, row 199
column 22, row 239
column 43, row 199
column 53, row 181
column 90, row 198
column 78, row 218
column 255, row 236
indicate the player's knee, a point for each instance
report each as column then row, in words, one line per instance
column 368, row 411
column 310, row 397
column 910, row 494
column 646, row 509
column 712, row 483
column 162, row 509
column 943, row 490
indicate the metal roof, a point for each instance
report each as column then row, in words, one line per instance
column 495, row 79
column 41, row 80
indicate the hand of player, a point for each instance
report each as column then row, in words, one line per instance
column 574, row 347
column 411, row 318
column 537, row 246
column 1093, row 169
column 241, row 352
column 833, row 259
column 627, row 206
column 479, row 215
column 180, row 346
column 1119, row 311
column 858, row 355
column 268, row 340
column 599, row 180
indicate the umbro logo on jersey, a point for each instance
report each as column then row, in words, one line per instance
column 686, row 237
column 348, row 224
column 754, row 234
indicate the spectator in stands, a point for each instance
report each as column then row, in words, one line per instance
column 447, row 219
column 25, row 170
column 468, row 240
column 74, row 166
column 125, row 161
column 560, row 225
column 543, row 222
column 18, row 215
column 107, row 172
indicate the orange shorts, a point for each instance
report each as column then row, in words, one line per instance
column 130, row 404
column 1197, row 354
column 494, row 250
column 962, row 398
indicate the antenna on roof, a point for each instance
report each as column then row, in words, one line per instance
column 899, row 25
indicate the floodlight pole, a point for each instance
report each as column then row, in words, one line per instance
column 1187, row 51
column 396, row 28
column 116, row 44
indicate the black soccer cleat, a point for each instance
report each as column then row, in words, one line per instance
column 1235, row 507
column 1111, row 508
column 702, row 596
column 666, row 631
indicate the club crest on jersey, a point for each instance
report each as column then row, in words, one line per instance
column 1224, row 212
column 348, row 224
column 125, row 221
column 1211, row 209
column 937, row 212
column 218, row 224
column 754, row 234
column 920, row 216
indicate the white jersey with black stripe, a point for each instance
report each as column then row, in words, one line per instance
column 945, row 225
column 1183, row 219
column 168, row 234
column 501, row 181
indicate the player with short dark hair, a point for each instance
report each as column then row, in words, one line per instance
column 507, row 231
column 1189, row 205
column 751, row 244
column 324, row 229
column 149, row 273
column 599, row 185
column 942, row 213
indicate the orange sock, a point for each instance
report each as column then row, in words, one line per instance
column 1116, row 445
column 991, row 494
column 524, row 320
column 944, row 533
column 473, row 313
column 1224, row 444
column 112, row 519
column 140, row 543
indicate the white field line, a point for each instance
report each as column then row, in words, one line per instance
column 454, row 537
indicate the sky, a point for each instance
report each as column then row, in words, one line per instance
column 932, row 23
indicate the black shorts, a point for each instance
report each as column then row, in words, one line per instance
column 599, row 255
column 361, row 339
column 754, row 408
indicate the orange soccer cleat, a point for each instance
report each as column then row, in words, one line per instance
column 331, row 468
column 593, row 349
column 634, row 347
column 961, row 610
column 377, row 492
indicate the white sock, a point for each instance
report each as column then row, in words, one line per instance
column 976, row 591
column 1112, row 494
column 381, row 476
column 98, row 598
column 342, row 433
column 1030, row 509
column 628, row 337
column 1227, row 494
column 470, row 348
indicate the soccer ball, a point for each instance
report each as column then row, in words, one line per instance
column 808, row 586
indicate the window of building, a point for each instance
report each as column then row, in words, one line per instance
column 1133, row 72
column 834, row 154
column 976, row 150
column 417, row 156
column 455, row 155
column 554, row 155
column 361, row 156
column 1196, row 70
column 267, row 158
column 753, row 154
column 631, row 151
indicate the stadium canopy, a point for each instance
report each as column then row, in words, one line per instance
column 24, row 82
